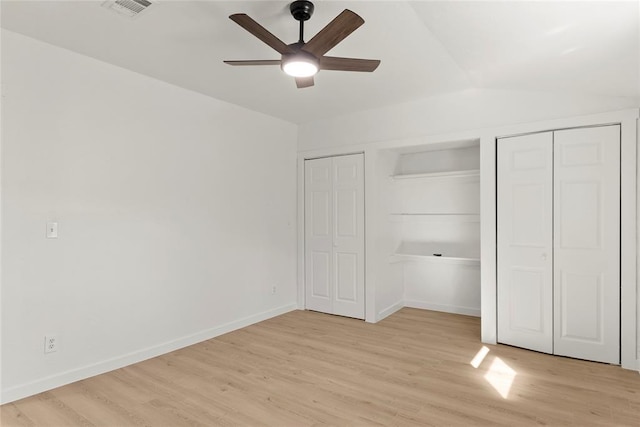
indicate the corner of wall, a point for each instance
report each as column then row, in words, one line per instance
column 390, row 310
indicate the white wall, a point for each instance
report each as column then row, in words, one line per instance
column 467, row 110
column 176, row 216
column 388, row 277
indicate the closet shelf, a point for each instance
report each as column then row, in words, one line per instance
column 435, row 213
column 401, row 257
column 426, row 251
column 437, row 216
column 438, row 175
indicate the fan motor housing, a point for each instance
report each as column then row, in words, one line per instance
column 301, row 10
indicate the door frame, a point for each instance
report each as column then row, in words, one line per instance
column 368, row 301
column 628, row 121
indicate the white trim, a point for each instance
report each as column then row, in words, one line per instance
column 467, row 311
column 628, row 243
column 488, row 260
column 370, row 216
column 300, row 237
column 63, row 378
column 2, row 95
column 390, row 310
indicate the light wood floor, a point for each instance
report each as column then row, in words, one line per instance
column 306, row 368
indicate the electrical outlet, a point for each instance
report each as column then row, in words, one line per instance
column 274, row 289
column 52, row 230
column 50, row 343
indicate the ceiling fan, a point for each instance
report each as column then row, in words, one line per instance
column 303, row 60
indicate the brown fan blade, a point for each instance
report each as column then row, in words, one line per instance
column 348, row 64
column 303, row 82
column 260, row 32
column 255, row 62
column 335, row 31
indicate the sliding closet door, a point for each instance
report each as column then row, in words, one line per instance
column 334, row 235
column 587, row 243
column 524, row 214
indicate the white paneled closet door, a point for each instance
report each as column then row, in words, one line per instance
column 559, row 242
column 587, row 243
column 334, row 235
column 318, row 253
column 525, row 241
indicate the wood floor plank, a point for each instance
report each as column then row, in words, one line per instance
column 306, row 368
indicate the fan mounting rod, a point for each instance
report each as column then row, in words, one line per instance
column 301, row 10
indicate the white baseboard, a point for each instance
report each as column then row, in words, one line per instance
column 443, row 307
column 29, row 389
column 390, row 310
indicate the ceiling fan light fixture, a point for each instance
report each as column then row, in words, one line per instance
column 303, row 60
column 300, row 66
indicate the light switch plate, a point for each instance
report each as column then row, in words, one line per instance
column 52, row 230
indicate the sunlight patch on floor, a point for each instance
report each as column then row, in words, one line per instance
column 501, row 377
column 479, row 357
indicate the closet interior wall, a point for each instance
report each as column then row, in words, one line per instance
column 430, row 197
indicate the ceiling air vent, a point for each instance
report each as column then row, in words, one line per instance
column 131, row 8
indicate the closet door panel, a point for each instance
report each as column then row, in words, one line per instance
column 346, row 277
column 319, row 271
column 525, row 241
column 587, row 243
column 348, row 239
column 318, row 234
column 580, row 300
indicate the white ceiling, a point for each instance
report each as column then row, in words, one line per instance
column 426, row 47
